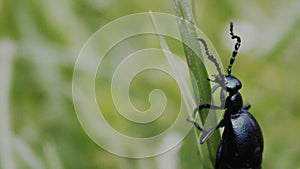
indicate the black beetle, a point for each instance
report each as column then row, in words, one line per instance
column 242, row 140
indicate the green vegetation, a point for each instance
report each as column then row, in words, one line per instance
column 39, row 44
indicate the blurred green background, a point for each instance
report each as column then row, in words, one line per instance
column 39, row 44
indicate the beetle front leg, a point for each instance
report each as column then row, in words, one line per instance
column 206, row 106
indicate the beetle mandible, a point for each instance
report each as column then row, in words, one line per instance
column 242, row 141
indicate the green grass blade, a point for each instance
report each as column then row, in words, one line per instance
column 186, row 93
column 194, row 58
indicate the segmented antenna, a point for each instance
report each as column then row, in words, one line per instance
column 210, row 56
column 236, row 47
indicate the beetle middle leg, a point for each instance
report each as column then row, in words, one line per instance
column 195, row 124
column 202, row 106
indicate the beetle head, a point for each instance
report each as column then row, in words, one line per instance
column 232, row 84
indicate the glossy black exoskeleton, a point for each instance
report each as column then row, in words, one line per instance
column 242, row 141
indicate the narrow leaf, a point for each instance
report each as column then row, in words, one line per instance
column 195, row 59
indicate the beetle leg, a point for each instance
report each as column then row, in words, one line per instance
column 206, row 106
column 246, row 106
column 195, row 124
column 207, row 134
column 219, row 157
column 215, row 87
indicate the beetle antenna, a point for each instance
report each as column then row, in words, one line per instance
column 236, row 47
column 210, row 56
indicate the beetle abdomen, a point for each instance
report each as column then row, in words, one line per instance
column 242, row 144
